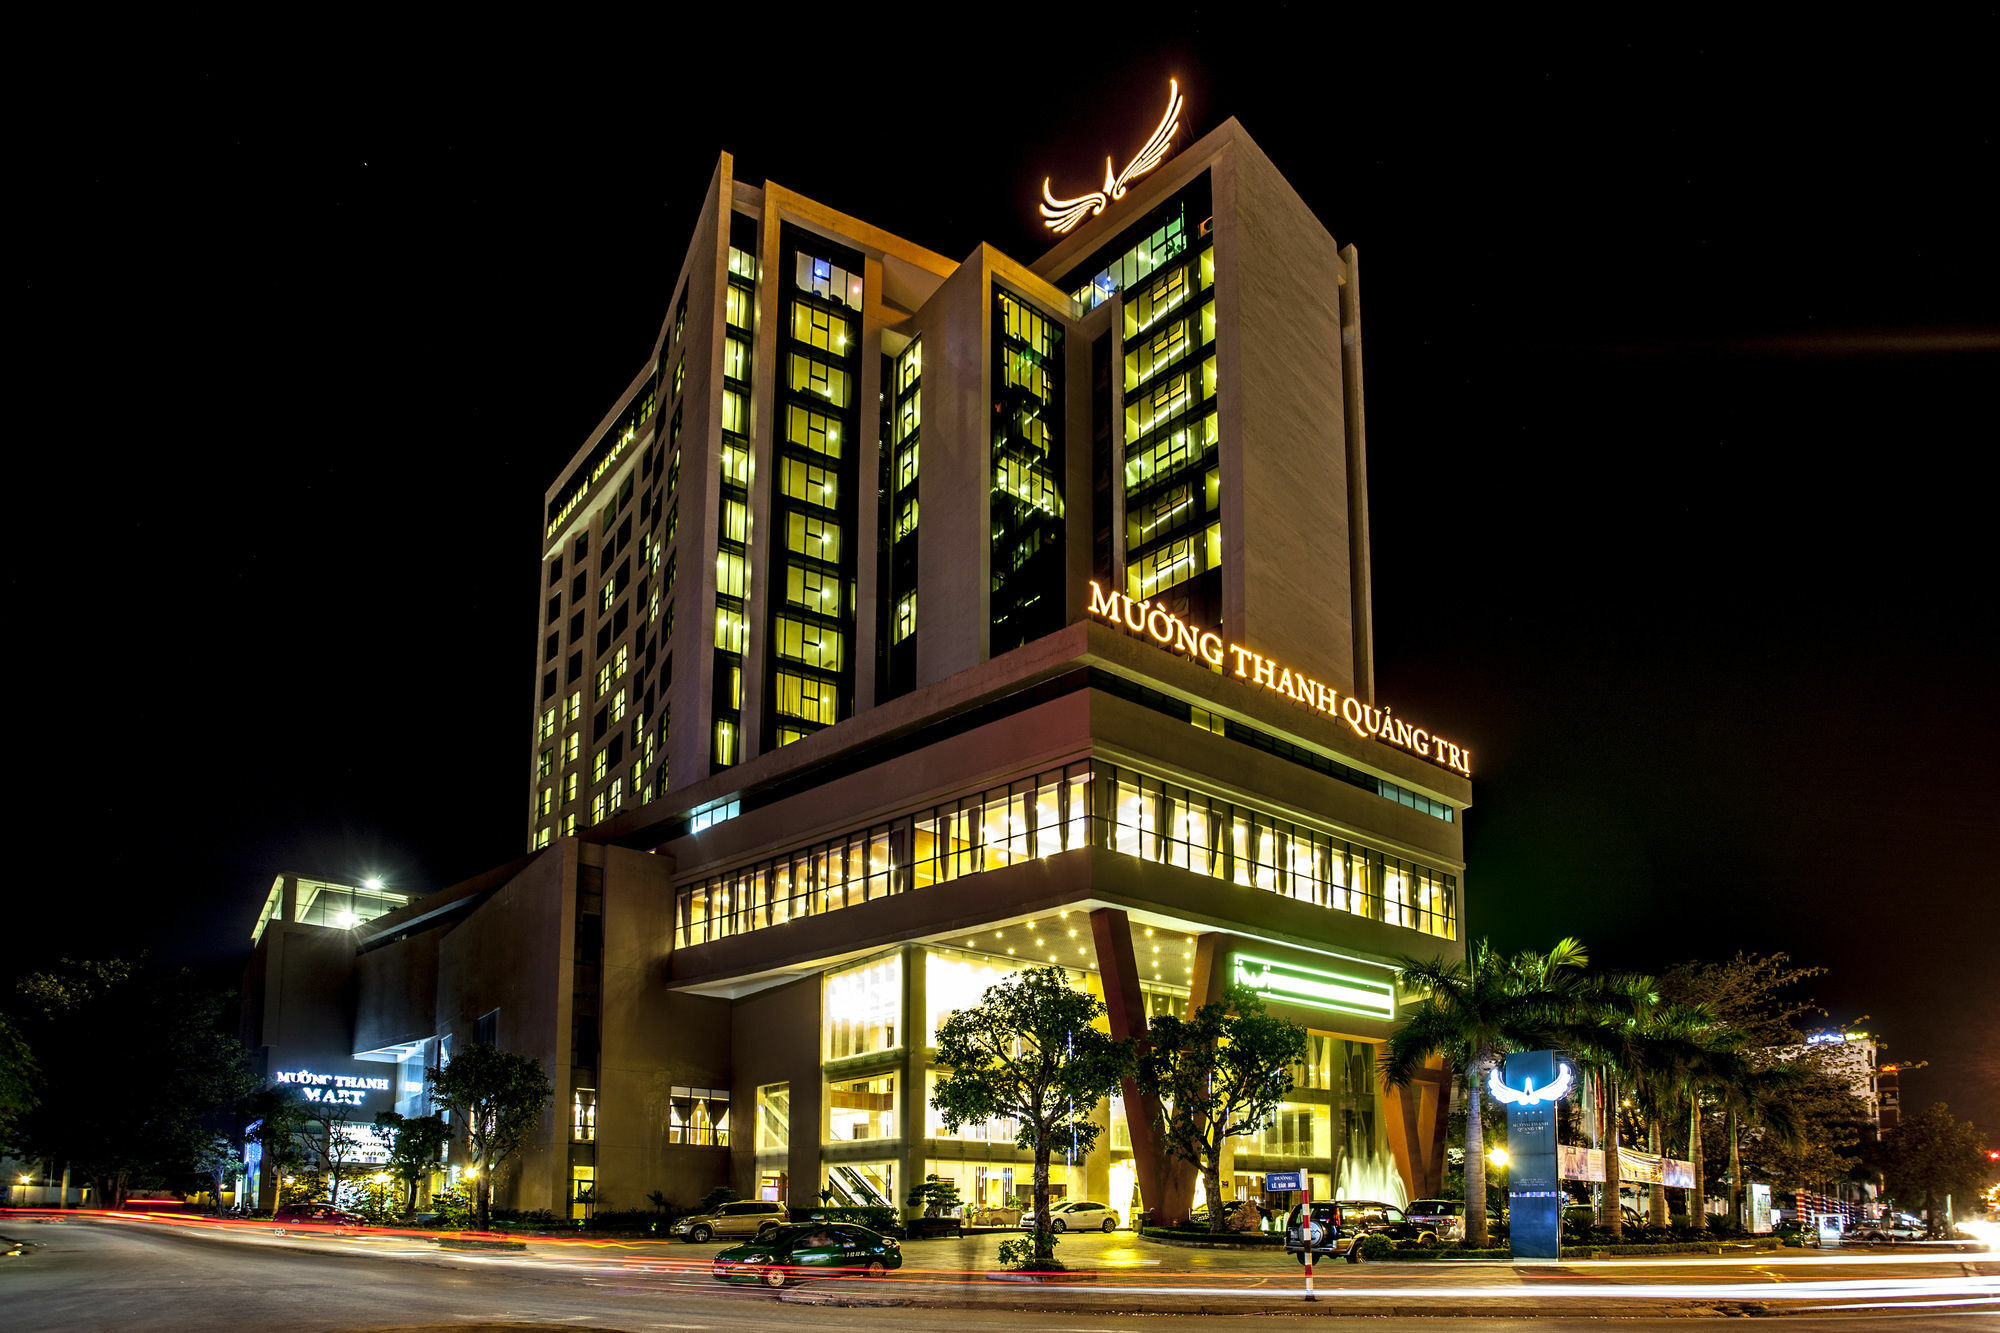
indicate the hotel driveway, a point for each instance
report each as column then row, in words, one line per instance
column 152, row 1275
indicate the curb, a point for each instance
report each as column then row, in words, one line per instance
column 1040, row 1278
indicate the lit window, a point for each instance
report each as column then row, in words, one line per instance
column 617, row 792
column 610, row 594
column 735, row 412
column 725, row 741
column 735, row 522
column 906, row 617
column 546, row 801
column 736, row 358
column 618, row 707
column 813, row 485
column 573, row 707
column 571, row 743
column 604, row 680
column 813, row 430
column 816, row 378
column 806, row 698
column 731, row 574
column 597, row 808
column 548, row 724
column 568, row 824
column 622, row 662
column 731, row 633
column 545, row 762
column 735, row 464
column 814, row 589
column 817, row 327
column 737, row 305
column 569, row 787
column 813, row 645
column 542, row 837
column 811, row 535
column 597, row 767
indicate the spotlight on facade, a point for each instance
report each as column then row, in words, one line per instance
column 372, row 882
column 1498, row 1157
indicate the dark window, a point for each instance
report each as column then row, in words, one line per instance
column 555, row 572
column 576, row 627
column 488, row 1032
column 597, row 725
column 616, row 750
column 604, row 558
column 625, row 493
column 624, row 615
column 555, row 608
column 576, row 586
column 625, row 528
column 549, row 649
column 582, row 547
column 603, row 640
column 548, row 685
column 574, row 668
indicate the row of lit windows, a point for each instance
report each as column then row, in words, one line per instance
column 1174, row 562
column 1084, row 805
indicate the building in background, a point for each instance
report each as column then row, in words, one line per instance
column 910, row 621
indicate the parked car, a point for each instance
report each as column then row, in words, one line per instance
column 1582, row 1214
column 1359, row 1217
column 786, row 1254
column 997, row 1215
column 1890, row 1229
column 751, row 1217
column 1444, row 1216
column 1327, row 1238
column 316, row 1215
column 1074, row 1215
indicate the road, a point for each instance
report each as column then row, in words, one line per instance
column 141, row 1275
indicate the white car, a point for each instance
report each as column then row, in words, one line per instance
column 1074, row 1215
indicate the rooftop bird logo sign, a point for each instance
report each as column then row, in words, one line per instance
column 1060, row 215
column 1556, row 1089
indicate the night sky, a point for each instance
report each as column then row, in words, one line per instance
column 1682, row 348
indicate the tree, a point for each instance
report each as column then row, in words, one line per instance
column 138, row 1072
column 275, row 1119
column 18, row 1077
column 416, row 1143
column 1218, row 1074
column 1030, row 1051
column 1473, row 1013
column 1932, row 1155
column 495, row 1099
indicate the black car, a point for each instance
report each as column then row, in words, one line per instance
column 1327, row 1239
column 1363, row 1217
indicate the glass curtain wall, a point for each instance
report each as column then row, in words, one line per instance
column 810, row 662
column 732, row 547
column 1083, row 805
column 1027, row 506
column 899, row 490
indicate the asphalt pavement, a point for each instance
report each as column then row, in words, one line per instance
column 143, row 1274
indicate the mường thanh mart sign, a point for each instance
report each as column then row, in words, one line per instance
column 1365, row 720
column 341, row 1089
column 1290, row 983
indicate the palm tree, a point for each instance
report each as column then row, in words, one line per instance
column 1473, row 1013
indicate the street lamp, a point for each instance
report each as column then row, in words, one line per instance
column 1498, row 1157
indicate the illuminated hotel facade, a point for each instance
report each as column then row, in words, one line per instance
column 912, row 620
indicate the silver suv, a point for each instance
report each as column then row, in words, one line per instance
column 748, row 1218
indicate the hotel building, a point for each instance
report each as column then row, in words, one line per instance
column 910, row 620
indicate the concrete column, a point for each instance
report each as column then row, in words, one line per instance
column 916, row 1064
column 1165, row 1183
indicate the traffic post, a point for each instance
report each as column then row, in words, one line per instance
column 1288, row 1181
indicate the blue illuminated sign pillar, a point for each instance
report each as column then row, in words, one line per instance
column 1530, row 1088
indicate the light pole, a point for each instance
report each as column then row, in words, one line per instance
column 1500, row 1159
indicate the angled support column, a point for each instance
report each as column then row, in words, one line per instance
column 1165, row 1183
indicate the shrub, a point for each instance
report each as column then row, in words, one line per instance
column 623, row 1219
column 454, row 1209
column 1375, row 1245
column 1019, row 1255
column 876, row 1217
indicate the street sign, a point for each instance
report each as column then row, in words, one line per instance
column 1278, row 1182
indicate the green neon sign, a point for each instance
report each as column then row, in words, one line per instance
column 1315, row 989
